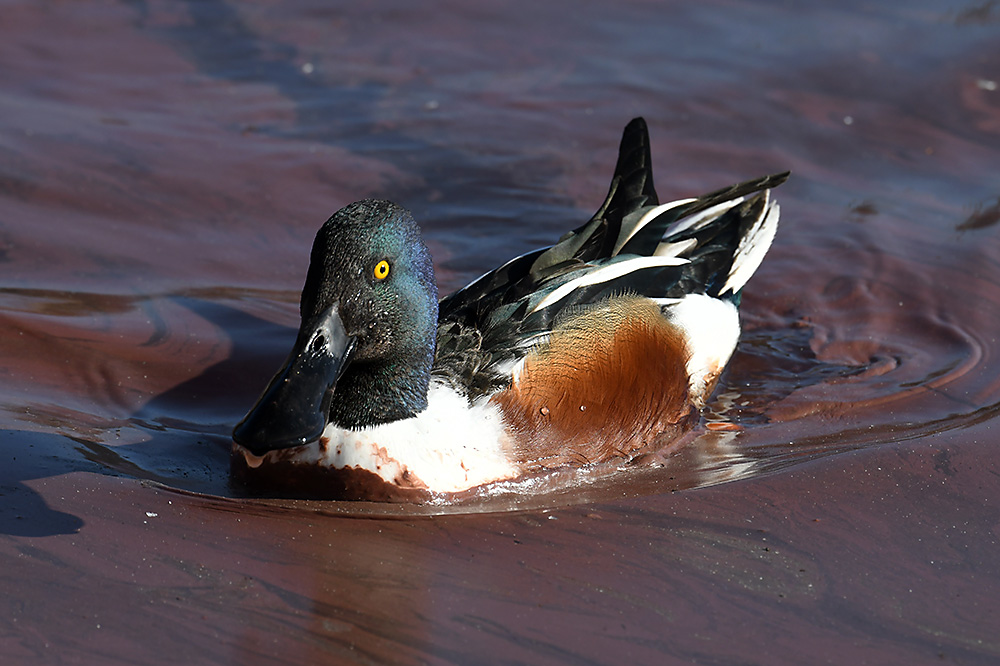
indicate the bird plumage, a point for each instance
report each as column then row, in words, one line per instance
column 588, row 350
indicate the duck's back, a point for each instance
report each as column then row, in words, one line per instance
column 594, row 345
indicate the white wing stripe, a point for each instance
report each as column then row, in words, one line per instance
column 675, row 249
column 651, row 214
column 704, row 217
column 606, row 274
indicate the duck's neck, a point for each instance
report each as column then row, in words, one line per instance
column 375, row 392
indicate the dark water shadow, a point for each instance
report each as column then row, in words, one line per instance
column 31, row 456
column 185, row 431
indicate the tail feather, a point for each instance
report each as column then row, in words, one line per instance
column 754, row 243
column 631, row 190
column 710, row 245
column 674, row 220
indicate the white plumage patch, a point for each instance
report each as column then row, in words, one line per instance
column 699, row 220
column 449, row 447
column 675, row 249
column 753, row 246
column 606, row 274
column 646, row 218
column 711, row 328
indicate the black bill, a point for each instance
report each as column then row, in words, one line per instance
column 294, row 408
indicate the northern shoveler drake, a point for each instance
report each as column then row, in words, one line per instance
column 596, row 348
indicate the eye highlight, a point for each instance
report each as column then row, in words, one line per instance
column 381, row 271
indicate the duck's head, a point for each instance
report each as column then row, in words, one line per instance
column 366, row 342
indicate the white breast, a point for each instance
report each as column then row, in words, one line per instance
column 449, row 447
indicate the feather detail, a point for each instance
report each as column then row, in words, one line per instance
column 632, row 245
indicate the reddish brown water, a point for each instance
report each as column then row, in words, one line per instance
column 164, row 166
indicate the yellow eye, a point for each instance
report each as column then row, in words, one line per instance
column 382, row 270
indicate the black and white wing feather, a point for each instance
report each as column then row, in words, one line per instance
column 632, row 245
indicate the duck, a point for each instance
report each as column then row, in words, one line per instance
column 599, row 348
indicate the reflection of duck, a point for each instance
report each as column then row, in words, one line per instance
column 584, row 351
